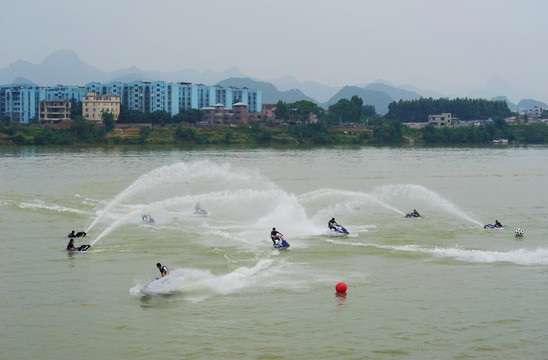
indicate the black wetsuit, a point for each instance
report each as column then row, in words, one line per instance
column 274, row 235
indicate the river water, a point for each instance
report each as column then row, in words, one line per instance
column 440, row 287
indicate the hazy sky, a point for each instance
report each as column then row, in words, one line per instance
column 432, row 44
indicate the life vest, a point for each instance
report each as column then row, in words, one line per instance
column 164, row 270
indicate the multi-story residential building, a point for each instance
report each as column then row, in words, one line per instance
column 533, row 112
column 113, row 87
column 206, row 96
column 164, row 96
column 64, row 92
column 54, row 111
column 149, row 97
column 21, row 102
column 239, row 113
column 94, row 105
column 440, row 120
column 188, row 96
column 217, row 114
column 254, row 101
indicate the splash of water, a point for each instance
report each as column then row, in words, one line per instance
column 177, row 174
column 231, row 195
column 38, row 204
column 123, row 220
column 418, row 192
column 538, row 256
column 350, row 199
column 198, row 284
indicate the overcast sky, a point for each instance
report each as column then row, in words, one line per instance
column 432, row 44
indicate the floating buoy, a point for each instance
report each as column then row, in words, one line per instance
column 341, row 287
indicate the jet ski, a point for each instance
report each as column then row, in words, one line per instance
column 412, row 216
column 147, row 219
column 492, row 226
column 77, row 235
column 280, row 242
column 198, row 210
column 339, row 229
column 82, row 248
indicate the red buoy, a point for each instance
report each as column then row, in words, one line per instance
column 341, row 287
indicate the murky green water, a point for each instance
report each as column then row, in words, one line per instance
column 440, row 287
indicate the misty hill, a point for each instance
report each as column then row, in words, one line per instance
column 269, row 92
column 523, row 104
column 65, row 67
column 530, row 103
column 378, row 99
column 424, row 93
column 394, row 92
column 511, row 105
column 61, row 67
column 315, row 90
column 21, row 81
column 496, row 87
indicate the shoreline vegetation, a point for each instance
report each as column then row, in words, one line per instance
column 82, row 133
column 348, row 122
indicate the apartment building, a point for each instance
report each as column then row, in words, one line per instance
column 441, row 120
column 54, row 111
column 94, row 105
column 21, row 102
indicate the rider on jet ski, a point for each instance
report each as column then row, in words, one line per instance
column 276, row 236
column 332, row 224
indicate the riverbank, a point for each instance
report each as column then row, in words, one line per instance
column 391, row 133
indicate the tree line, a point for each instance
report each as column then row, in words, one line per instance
column 461, row 108
column 349, row 121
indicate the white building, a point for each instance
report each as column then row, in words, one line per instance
column 441, row 120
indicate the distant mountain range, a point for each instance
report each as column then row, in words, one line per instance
column 65, row 67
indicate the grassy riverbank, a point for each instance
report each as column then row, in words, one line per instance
column 387, row 134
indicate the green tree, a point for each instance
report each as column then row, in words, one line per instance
column 5, row 120
column 131, row 116
column 282, row 110
column 191, row 116
column 368, row 110
column 82, row 129
column 303, row 108
column 344, row 111
column 463, row 108
column 75, row 108
column 160, row 117
column 375, row 121
column 108, row 120
column 500, row 123
column 144, row 133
